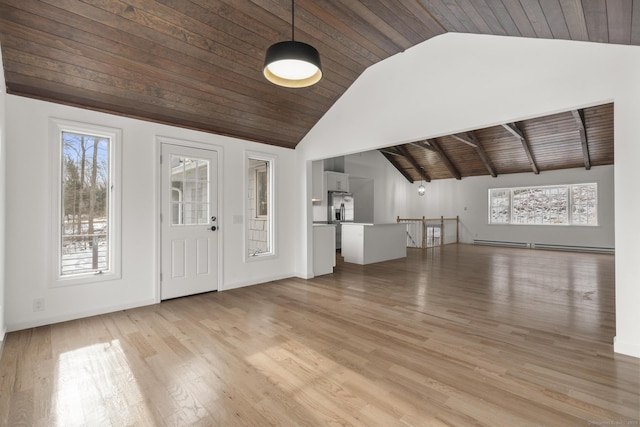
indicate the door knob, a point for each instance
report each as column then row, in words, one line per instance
column 214, row 228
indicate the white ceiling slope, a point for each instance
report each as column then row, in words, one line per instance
column 458, row 82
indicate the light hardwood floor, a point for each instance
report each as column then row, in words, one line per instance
column 460, row 335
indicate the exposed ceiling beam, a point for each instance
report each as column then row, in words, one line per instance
column 391, row 150
column 465, row 139
column 407, row 155
column 515, row 131
column 424, row 145
column 444, row 158
column 578, row 115
column 394, row 162
column 483, row 154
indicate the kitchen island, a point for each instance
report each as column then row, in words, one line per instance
column 324, row 248
column 369, row 243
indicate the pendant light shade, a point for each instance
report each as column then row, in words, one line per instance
column 421, row 190
column 292, row 63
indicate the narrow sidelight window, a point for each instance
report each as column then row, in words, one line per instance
column 86, row 221
column 260, row 208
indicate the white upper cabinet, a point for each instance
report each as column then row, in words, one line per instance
column 336, row 181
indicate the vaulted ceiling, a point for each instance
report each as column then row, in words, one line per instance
column 198, row 63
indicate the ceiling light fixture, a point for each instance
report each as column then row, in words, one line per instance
column 292, row 63
column 421, row 189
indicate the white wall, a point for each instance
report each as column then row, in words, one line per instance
column 459, row 82
column 363, row 190
column 390, row 195
column 28, row 201
column 468, row 198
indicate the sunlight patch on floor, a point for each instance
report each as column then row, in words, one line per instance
column 94, row 382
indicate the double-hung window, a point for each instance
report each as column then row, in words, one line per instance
column 87, row 211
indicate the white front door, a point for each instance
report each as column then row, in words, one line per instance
column 189, row 221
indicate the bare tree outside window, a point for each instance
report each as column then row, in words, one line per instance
column 575, row 204
column 85, row 204
column 584, row 203
column 499, row 206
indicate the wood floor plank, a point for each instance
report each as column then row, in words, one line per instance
column 454, row 335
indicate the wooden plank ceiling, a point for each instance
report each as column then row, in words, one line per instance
column 574, row 139
column 197, row 63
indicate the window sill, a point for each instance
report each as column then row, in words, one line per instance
column 260, row 257
column 85, row 279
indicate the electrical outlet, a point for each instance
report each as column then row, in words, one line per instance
column 38, row 304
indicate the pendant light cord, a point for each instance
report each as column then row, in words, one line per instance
column 292, row 20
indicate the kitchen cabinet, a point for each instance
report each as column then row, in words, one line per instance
column 336, row 181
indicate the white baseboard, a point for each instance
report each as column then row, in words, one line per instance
column 17, row 326
column 626, row 347
column 3, row 335
column 20, row 325
column 304, row 275
column 236, row 285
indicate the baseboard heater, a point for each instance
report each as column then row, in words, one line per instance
column 573, row 248
column 546, row 246
column 497, row 243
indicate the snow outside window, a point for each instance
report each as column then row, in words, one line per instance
column 575, row 204
column 499, row 206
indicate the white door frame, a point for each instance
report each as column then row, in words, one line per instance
column 221, row 224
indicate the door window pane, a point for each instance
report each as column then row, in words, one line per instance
column 189, row 191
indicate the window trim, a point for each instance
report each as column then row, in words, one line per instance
column 569, row 201
column 57, row 127
column 271, row 205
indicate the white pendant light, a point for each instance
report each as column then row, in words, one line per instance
column 291, row 63
column 421, row 189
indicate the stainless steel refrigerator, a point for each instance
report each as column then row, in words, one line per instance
column 341, row 209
